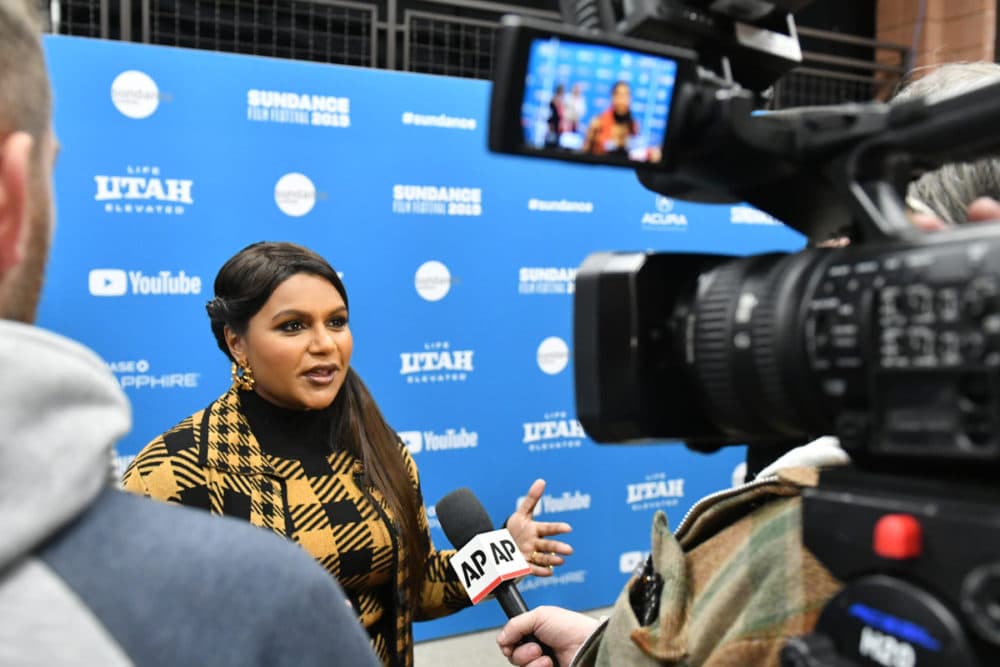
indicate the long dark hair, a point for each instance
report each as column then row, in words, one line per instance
column 242, row 287
column 623, row 119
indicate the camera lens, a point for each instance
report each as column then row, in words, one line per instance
column 748, row 354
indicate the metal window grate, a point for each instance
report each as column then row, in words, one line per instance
column 807, row 87
column 437, row 44
column 841, row 68
column 82, row 18
column 329, row 31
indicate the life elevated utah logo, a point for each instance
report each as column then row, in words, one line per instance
column 291, row 108
column 664, row 218
column 438, row 362
column 556, row 430
column 656, row 491
column 143, row 190
column 437, row 200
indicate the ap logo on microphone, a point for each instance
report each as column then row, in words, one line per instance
column 486, row 560
column 108, row 282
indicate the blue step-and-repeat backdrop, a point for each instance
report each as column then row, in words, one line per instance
column 459, row 265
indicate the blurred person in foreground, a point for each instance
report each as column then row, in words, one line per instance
column 298, row 446
column 90, row 575
column 737, row 581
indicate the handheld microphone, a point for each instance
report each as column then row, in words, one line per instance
column 487, row 560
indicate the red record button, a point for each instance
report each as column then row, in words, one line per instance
column 898, row 536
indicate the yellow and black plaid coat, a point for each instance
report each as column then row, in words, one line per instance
column 212, row 460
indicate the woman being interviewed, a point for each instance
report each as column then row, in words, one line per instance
column 298, row 445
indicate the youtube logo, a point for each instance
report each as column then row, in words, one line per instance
column 108, row 282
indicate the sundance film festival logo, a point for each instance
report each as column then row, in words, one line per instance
column 136, row 95
column 552, row 355
column 546, row 280
column 138, row 375
column 290, row 108
column 748, row 215
column 438, row 362
column 664, row 218
column 439, row 441
column 433, row 280
column 295, row 194
column 556, row 430
column 436, row 200
column 440, row 120
column 655, row 492
column 143, row 191
column 560, row 206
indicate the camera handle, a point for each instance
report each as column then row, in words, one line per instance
column 920, row 559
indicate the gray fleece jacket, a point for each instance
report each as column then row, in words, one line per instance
column 90, row 575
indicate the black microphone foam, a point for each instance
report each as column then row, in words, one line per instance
column 462, row 517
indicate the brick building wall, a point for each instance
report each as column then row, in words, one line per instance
column 949, row 30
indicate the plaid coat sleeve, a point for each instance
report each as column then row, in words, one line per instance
column 440, row 593
column 168, row 467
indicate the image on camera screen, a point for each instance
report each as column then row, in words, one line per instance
column 598, row 100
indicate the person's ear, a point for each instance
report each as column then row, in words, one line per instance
column 235, row 344
column 15, row 160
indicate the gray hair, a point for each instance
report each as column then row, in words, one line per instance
column 949, row 190
column 25, row 97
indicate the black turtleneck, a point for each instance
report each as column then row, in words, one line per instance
column 301, row 435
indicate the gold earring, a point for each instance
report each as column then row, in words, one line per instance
column 242, row 376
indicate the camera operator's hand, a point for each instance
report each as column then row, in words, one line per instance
column 562, row 630
column 983, row 209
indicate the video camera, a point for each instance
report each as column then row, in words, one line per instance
column 891, row 343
